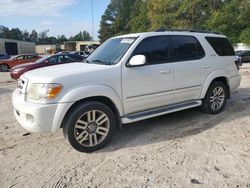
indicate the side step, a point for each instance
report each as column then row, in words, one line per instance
column 159, row 111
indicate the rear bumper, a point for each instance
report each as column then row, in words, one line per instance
column 234, row 82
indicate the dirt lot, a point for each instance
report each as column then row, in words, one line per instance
column 176, row 150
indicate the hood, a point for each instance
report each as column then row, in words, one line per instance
column 25, row 65
column 64, row 71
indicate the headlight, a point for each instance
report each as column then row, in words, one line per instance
column 44, row 92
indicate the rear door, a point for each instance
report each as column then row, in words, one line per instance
column 30, row 58
column 190, row 68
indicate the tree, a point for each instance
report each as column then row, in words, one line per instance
column 34, row 36
column 15, row 33
column 116, row 19
column 26, row 36
column 139, row 18
column 232, row 20
column 107, row 24
column 4, row 32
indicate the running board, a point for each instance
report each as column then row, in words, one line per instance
column 159, row 111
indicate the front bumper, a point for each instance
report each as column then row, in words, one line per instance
column 40, row 118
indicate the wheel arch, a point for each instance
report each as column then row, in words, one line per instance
column 77, row 96
column 217, row 76
column 102, row 99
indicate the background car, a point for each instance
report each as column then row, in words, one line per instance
column 4, row 56
column 56, row 59
column 244, row 56
column 6, row 65
column 81, row 53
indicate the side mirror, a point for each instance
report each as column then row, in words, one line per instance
column 46, row 62
column 137, row 60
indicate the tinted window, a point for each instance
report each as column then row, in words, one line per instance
column 156, row 49
column 20, row 57
column 1, row 55
column 75, row 58
column 30, row 57
column 186, row 48
column 53, row 60
column 221, row 46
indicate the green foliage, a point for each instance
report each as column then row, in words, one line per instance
column 245, row 36
column 139, row 17
column 42, row 37
column 116, row 19
column 229, row 17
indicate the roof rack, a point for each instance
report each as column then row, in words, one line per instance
column 187, row 30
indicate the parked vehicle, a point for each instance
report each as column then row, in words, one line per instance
column 6, row 65
column 57, row 59
column 244, row 56
column 140, row 76
column 80, row 53
column 4, row 56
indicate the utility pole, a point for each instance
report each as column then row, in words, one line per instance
column 92, row 3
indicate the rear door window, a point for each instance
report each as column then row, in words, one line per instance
column 186, row 48
column 21, row 57
column 221, row 46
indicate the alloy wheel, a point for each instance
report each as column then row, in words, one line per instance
column 217, row 98
column 92, row 128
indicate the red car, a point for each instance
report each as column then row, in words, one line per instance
column 6, row 65
column 56, row 59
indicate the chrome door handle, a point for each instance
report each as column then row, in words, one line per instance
column 167, row 71
column 205, row 66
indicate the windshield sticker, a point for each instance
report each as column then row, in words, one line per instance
column 127, row 41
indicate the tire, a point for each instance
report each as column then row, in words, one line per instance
column 216, row 98
column 89, row 126
column 4, row 68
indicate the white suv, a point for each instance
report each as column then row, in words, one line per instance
column 128, row 78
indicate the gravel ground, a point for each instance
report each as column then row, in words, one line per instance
column 176, row 150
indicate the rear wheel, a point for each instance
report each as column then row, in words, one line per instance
column 89, row 126
column 4, row 68
column 216, row 98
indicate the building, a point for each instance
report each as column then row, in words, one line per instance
column 45, row 49
column 78, row 45
column 14, row 47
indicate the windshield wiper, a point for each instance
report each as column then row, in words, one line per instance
column 101, row 62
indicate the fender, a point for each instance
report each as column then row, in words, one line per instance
column 82, row 93
column 210, row 78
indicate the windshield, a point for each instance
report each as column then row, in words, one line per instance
column 111, row 51
column 42, row 59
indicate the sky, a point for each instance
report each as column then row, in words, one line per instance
column 67, row 17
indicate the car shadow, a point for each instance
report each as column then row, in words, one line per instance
column 178, row 125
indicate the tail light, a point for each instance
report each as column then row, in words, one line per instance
column 238, row 63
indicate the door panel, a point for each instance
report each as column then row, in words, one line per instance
column 149, row 86
column 191, row 68
column 189, row 79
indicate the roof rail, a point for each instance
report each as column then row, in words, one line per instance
column 187, row 30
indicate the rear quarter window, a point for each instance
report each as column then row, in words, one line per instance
column 221, row 46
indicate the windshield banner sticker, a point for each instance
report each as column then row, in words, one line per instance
column 127, row 41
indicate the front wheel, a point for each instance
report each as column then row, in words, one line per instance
column 216, row 98
column 89, row 126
